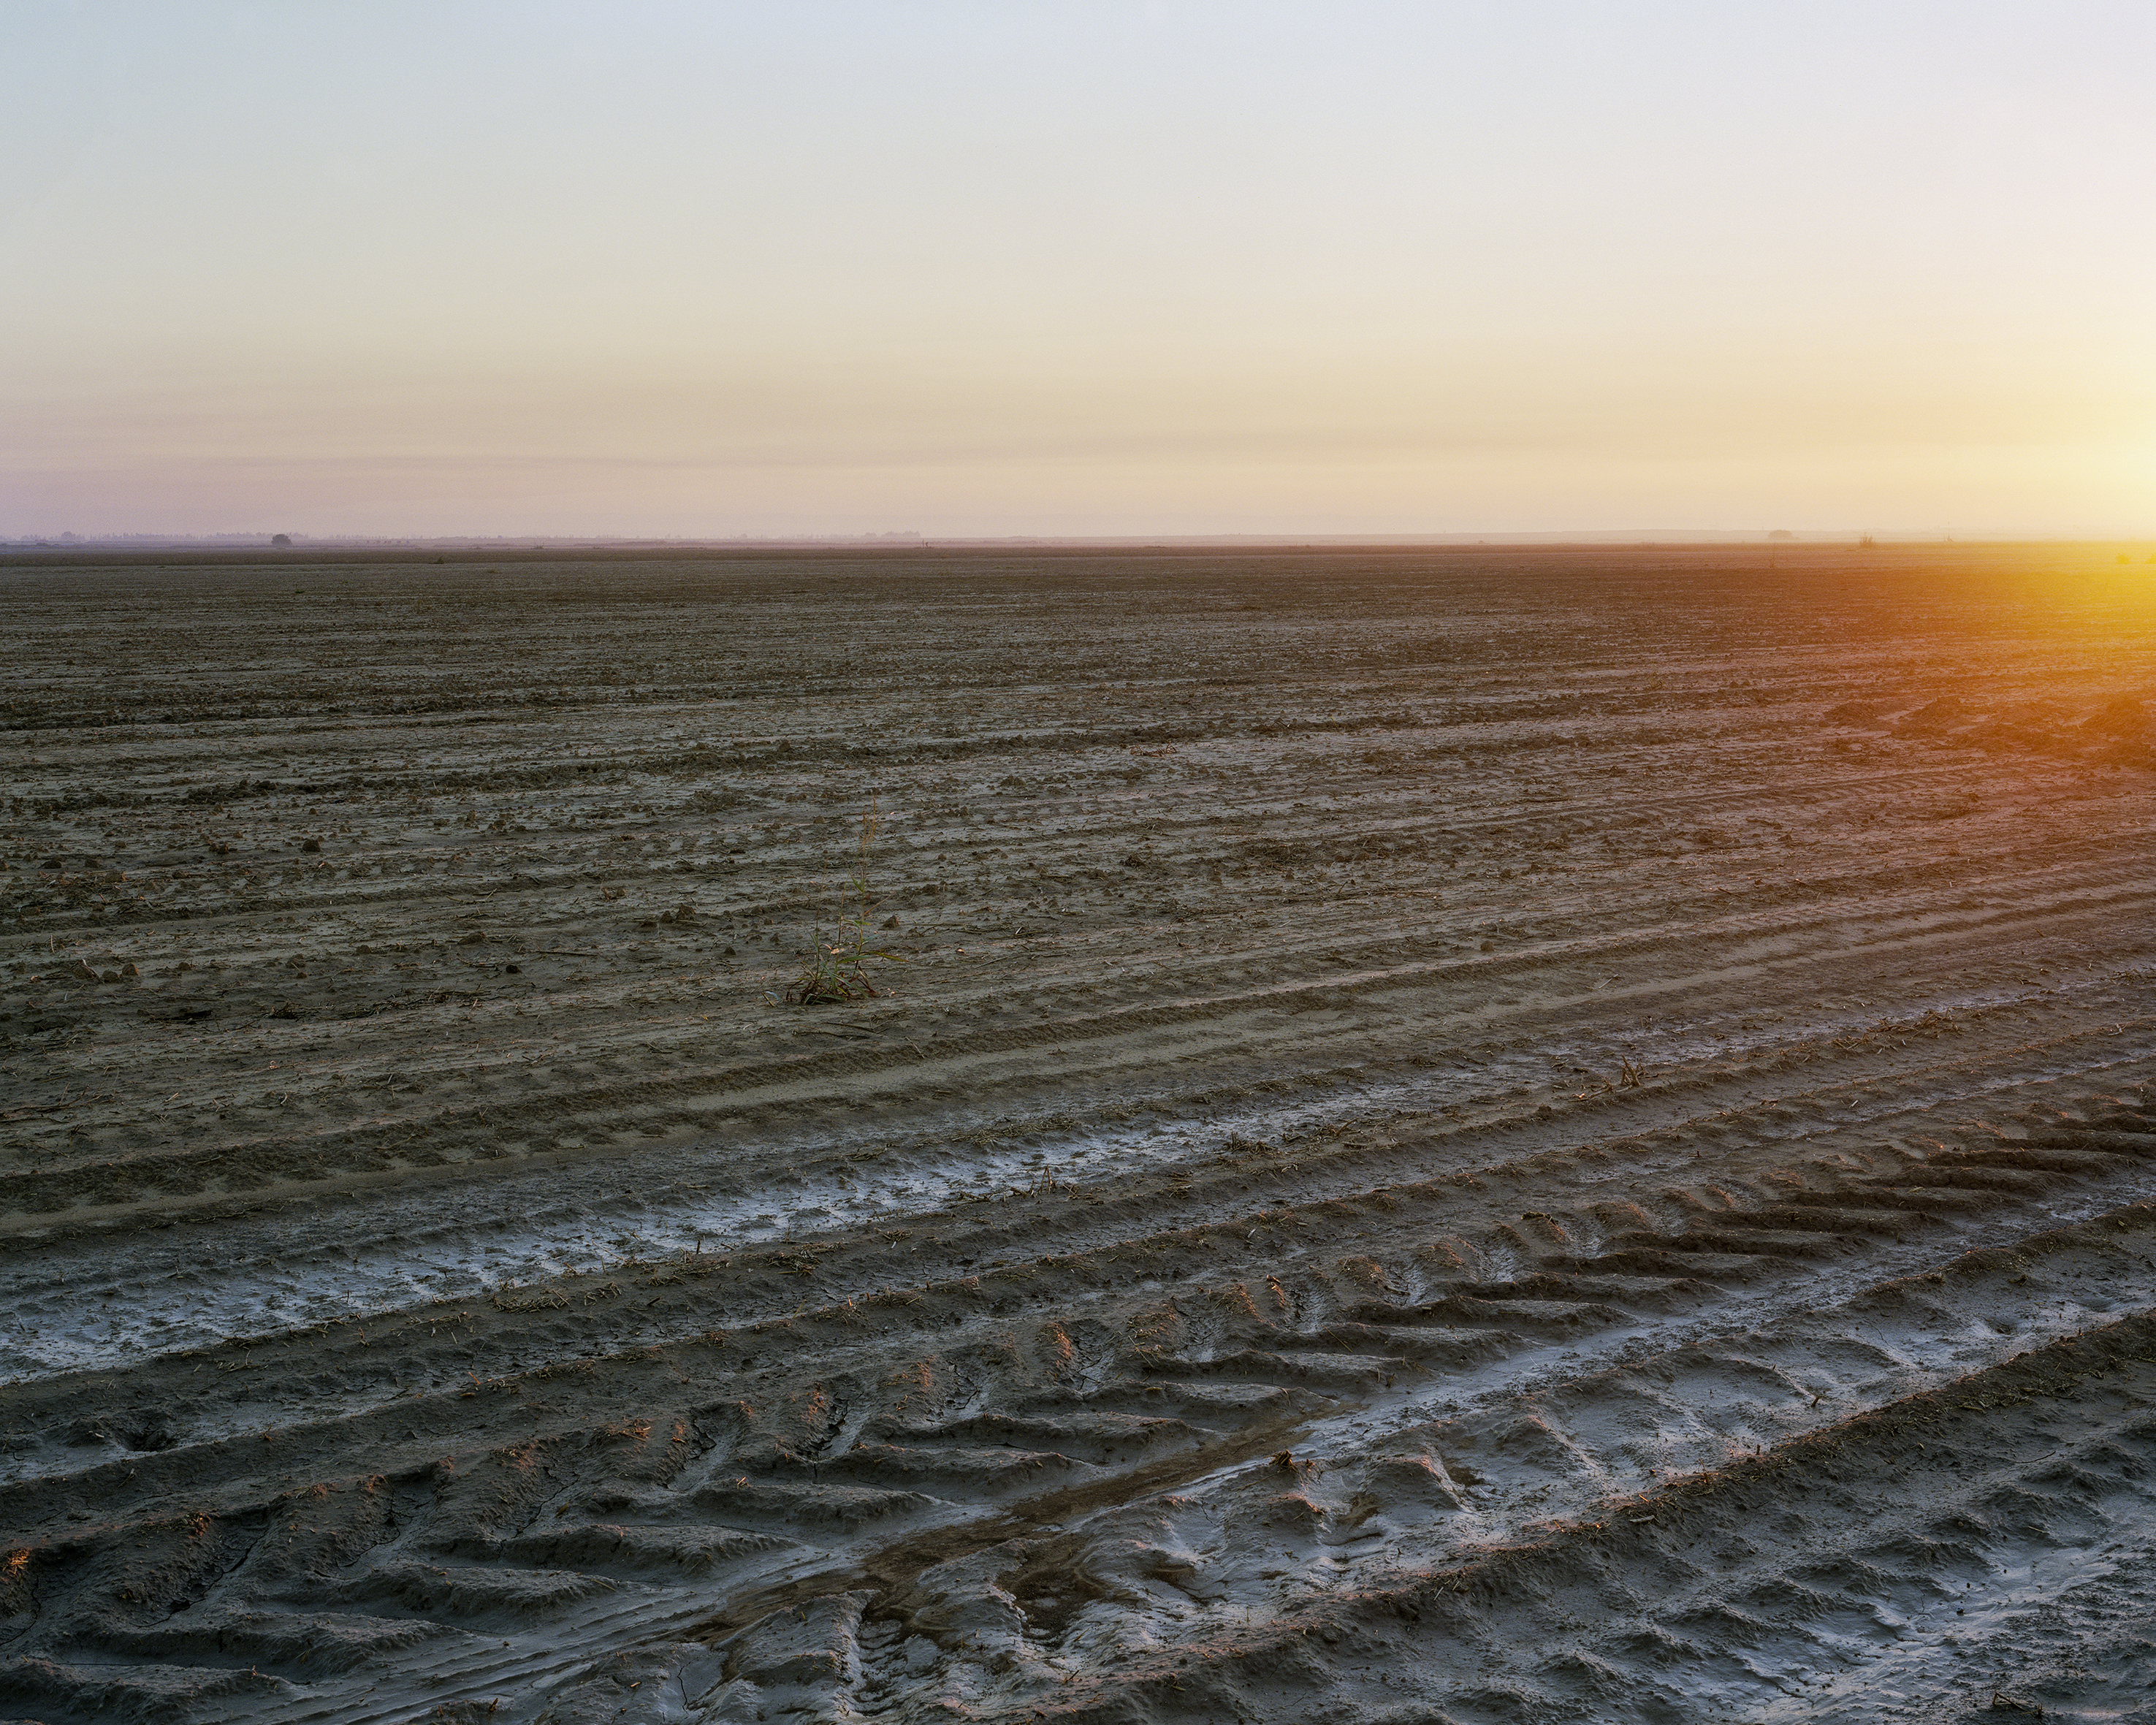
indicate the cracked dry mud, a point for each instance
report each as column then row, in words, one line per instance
column 1473, row 1136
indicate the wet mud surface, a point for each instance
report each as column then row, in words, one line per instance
column 1472, row 1135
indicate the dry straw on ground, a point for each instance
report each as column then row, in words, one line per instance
column 837, row 970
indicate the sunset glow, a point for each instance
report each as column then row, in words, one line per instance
column 976, row 269
column 1153, row 860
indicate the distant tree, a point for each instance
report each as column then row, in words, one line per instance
column 280, row 538
column 1780, row 534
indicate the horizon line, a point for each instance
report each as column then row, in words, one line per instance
column 266, row 539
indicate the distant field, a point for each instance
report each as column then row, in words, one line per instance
column 1473, row 1134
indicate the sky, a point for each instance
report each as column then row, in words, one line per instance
column 1111, row 267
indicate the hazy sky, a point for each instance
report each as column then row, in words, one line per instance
column 1039, row 267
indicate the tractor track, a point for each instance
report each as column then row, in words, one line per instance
column 1342, row 1213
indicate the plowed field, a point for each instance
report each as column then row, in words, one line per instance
column 1449, row 1135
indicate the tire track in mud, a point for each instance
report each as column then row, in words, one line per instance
column 1347, row 1152
column 1300, row 1363
column 886, row 1176
column 1663, row 1603
column 329, row 1151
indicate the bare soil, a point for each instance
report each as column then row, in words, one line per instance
column 1461, row 1135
